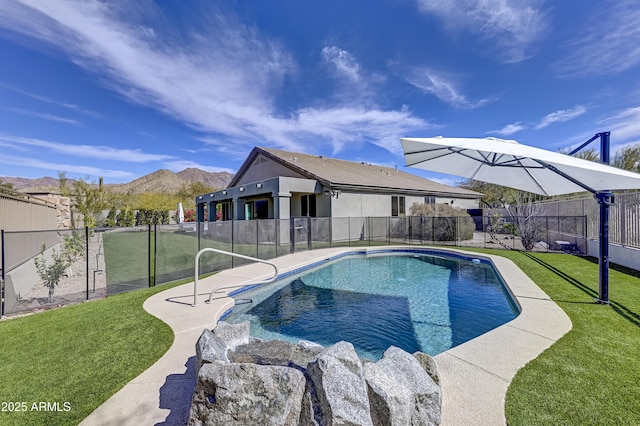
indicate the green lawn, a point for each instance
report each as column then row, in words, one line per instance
column 80, row 355
column 84, row 353
column 592, row 375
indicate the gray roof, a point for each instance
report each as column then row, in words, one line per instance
column 343, row 174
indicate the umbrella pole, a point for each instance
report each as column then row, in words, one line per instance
column 605, row 199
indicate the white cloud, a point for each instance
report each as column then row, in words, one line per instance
column 63, row 104
column 45, row 116
column 88, row 151
column 70, row 168
column 512, row 25
column 561, row 116
column 344, row 62
column 221, row 78
column 510, row 129
column 441, row 85
column 608, row 43
column 624, row 125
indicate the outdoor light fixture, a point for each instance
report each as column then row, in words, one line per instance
column 224, row 192
column 242, row 189
column 333, row 193
column 258, row 185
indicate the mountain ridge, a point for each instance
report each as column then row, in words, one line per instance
column 161, row 180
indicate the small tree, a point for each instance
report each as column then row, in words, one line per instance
column 525, row 217
column 52, row 273
column 74, row 248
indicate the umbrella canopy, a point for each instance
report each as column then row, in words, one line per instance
column 509, row 163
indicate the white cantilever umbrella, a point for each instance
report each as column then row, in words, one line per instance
column 509, row 163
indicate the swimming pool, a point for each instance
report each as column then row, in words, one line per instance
column 413, row 299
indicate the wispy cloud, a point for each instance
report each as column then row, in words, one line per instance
column 88, row 151
column 45, row 116
column 513, row 26
column 441, row 85
column 608, row 43
column 67, row 105
column 345, row 63
column 70, row 168
column 558, row 116
column 222, row 79
column 624, row 125
column 509, row 129
column 561, row 116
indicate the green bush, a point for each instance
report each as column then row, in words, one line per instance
column 443, row 222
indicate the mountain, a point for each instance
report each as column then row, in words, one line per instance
column 158, row 181
column 214, row 180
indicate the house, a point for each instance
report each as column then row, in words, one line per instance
column 276, row 184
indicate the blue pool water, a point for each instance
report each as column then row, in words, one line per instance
column 417, row 302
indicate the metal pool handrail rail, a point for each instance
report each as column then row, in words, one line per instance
column 241, row 256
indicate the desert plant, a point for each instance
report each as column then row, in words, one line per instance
column 74, row 248
column 50, row 274
column 111, row 218
column 448, row 223
column 526, row 217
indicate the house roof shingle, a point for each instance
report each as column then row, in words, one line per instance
column 337, row 173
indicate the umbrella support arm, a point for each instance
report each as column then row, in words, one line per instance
column 605, row 199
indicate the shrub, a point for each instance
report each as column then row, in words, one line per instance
column 443, row 222
column 50, row 274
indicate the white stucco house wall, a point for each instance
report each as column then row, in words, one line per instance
column 276, row 184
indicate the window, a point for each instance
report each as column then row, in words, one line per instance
column 429, row 200
column 261, row 209
column 256, row 209
column 308, row 205
column 226, row 211
column 397, row 206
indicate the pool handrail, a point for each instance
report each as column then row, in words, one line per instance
column 241, row 256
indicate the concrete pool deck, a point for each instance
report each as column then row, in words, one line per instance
column 474, row 376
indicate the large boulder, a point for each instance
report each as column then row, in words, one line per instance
column 339, row 391
column 401, row 392
column 242, row 394
column 429, row 365
column 243, row 380
column 210, row 349
column 233, row 335
column 276, row 352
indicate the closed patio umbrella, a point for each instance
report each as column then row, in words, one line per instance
column 509, row 163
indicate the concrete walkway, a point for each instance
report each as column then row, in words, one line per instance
column 474, row 375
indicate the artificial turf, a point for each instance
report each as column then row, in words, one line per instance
column 591, row 376
column 70, row 360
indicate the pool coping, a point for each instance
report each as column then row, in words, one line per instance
column 474, row 375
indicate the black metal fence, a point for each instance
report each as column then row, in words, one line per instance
column 103, row 261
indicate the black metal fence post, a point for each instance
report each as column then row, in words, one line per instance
column 86, row 241
column 155, row 250
column 2, row 273
column 149, row 253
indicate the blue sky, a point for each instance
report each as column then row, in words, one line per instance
column 120, row 89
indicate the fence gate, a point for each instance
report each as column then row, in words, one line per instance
column 300, row 238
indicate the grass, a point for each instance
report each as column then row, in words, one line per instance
column 80, row 355
column 590, row 376
column 84, row 353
